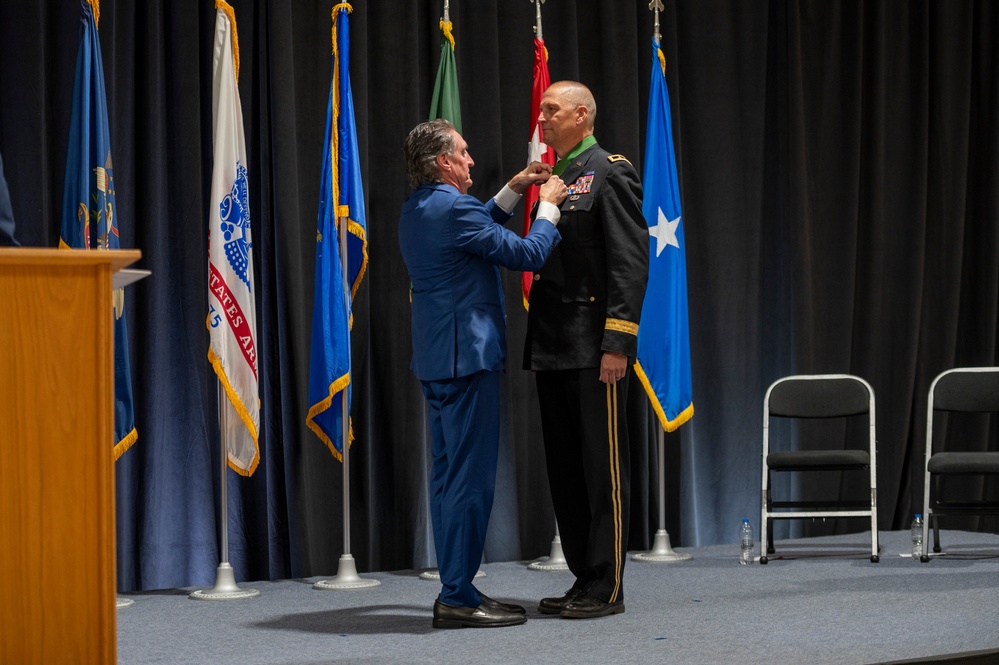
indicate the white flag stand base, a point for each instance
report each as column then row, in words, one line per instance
column 661, row 551
column 225, row 587
column 120, row 602
column 555, row 560
column 435, row 574
column 346, row 577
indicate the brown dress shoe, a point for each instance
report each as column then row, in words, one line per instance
column 483, row 616
column 585, row 606
column 555, row 605
column 506, row 607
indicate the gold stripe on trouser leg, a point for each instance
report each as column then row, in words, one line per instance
column 615, row 471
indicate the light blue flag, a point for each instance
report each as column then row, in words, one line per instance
column 88, row 202
column 341, row 200
column 663, row 334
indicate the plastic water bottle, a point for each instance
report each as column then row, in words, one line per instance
column 745, row 542
column 917, row 536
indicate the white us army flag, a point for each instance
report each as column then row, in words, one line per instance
column 231, row 313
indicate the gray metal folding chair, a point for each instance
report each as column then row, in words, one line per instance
column 824, row 400
column 967, row 390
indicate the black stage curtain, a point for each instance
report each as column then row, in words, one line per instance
column 839, row 170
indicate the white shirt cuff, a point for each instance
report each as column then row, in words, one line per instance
column 507, row 199
column 549, row 211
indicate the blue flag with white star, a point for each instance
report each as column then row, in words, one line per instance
column 88, row 202
column 663, row 334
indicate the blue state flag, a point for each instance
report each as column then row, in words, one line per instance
column 663, row 334
column 341, row 202
column 88, row 201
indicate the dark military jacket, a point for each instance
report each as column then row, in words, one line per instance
column 587, row 298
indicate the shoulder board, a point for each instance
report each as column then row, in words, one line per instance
column 617, row 158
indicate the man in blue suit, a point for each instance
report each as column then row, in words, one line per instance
column 452, row 245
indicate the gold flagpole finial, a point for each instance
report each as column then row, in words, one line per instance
column 537, row 18
column 657, row 6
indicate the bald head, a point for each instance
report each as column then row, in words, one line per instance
column 577, row 94
column 567, row 115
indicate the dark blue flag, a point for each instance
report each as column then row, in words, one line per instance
column 88, row 202
column 341, row 202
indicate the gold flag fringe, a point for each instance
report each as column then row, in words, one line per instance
column 240, row 409
column 668, row 425
column 231, row 13
column 446, row 28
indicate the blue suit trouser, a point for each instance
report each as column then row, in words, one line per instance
column 464, row 429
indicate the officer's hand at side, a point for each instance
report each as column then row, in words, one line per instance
column 613, row 367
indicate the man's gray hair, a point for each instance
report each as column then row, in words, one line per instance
column 424, row 143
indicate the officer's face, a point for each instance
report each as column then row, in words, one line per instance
column 561, row 121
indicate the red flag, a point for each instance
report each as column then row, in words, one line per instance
column 536, row 150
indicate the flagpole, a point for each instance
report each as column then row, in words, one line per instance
column 656, row 6
column 225, row 581
column 661, row 550
column 556, row 559
column 346, row 575
column 537, row 18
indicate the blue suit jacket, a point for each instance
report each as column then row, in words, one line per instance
column 452, row 245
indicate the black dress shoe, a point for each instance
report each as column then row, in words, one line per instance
column 483, row 616
column 585, row 606
column 506, row 607
column 555, row 605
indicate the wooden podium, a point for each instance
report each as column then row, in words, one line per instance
column 57, row 523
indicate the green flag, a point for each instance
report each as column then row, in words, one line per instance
column 445, row 102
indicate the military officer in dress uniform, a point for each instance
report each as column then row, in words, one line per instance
column 582, row 338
